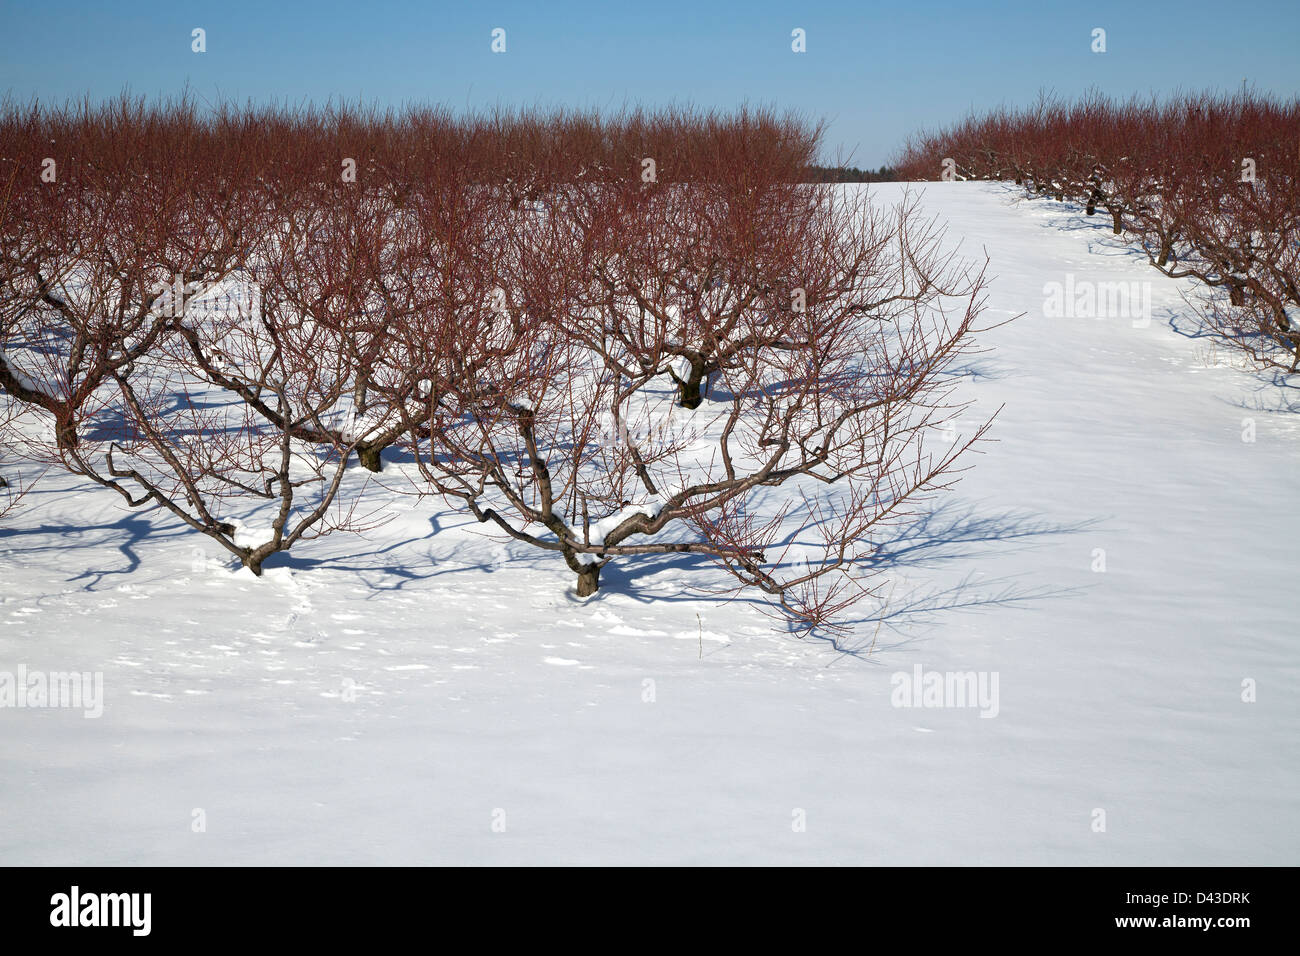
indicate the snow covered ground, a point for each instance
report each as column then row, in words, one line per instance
column 1119, row 565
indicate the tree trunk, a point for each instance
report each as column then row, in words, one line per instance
column 1166, row 247
column 1118, row 219
column 1280, row 318
column 65, row 435
column 689, row 394
column 368, row 455
column 690, row 390
column 589, row 580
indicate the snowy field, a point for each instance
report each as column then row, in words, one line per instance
column 1119, row 560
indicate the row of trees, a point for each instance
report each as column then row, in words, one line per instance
column 1206, row 186
column 850, row 174
column 605, row 337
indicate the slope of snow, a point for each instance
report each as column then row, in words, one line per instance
column 410, row 697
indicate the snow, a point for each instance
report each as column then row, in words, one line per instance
column 599, row 529
column 388, row 698
column 251, row 536
column 359, row 426
column 603, row 526
column 15, row 369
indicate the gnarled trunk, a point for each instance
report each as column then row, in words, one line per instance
column 689, row 394
column 65, row 434
column 1166, row 247
column 588, row 580
column 690, row 390
column 369, row 456
column 1280, row 319
column 1094, row 197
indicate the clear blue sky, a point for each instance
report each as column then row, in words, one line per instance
column 874, row 70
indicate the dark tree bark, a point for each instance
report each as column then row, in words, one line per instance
column 589, row 580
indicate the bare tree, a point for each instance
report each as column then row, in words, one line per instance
column 103, row 265
column 575, row 438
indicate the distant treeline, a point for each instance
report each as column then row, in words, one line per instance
column 850, row 174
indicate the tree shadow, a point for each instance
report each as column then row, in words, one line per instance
column 124, row 534
column 1275, row 390
column 950, row 532
column 936, row 538
column 978, row 370
column 378, row 576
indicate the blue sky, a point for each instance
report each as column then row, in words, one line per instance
column 874, row 70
